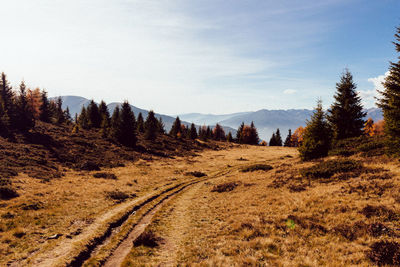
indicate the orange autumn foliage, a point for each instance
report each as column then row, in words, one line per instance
column 34, row 102
column 297, row 136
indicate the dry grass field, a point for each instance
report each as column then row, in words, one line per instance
column 278, row 217
column 256, row 206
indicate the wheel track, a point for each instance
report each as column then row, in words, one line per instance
column 122, row 249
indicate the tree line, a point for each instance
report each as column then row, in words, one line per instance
column 345, row 117
column 20, row 110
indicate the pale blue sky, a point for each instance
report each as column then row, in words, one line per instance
column 208, row 56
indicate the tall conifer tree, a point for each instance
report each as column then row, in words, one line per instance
column 45, row 113
column 127, row 126
column 346, row 114
column 150, row 126
column 390, row 102
column 317, row 136
column 25, row 119
column 140, row 123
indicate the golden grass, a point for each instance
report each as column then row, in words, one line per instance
column 276, row 217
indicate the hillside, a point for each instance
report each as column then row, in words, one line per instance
column 242, row 205
column 75, row 103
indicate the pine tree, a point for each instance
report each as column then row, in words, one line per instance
column 150, row 126
column 115, row 125
column 193, row 132
column 390, row 102
column 128, row 126
column 203, row 133
column 45, row 112
column 278, row 138
column 6, row 103
column 59, row 114
column 209, row 133
column 272, row 141
column 239, row 137
column 317, row 136
column 288, row 140
column 140, row 123
column 218, row 133
column 161, row 126
column 346, row 113
column 67, row 115
column 25, row 119
column 176, row 128
column 103, row 110
column 93, row 115
column 229, row 137
column 254, row 139
column 83, row 120
column 105, row 119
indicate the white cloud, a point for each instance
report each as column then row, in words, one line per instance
column 289, row 92
column 368, row 96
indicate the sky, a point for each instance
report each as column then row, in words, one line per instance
column 206, row 56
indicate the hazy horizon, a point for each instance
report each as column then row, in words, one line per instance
column 210, row 57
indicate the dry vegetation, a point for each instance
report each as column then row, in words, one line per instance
column 264, row 207
column 335, row 212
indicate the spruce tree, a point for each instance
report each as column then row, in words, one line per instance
column 229, row 137
column 278, row 138
column 346, row 114
column 218, row 133
column 317, row 136
column 161, row 126
column 128, row 126
column 390, row 102
column 288, row 140
column 67, row 115
column 272, row 141
column 83, row 120
column 150, row 126
column 25, row 119
column 115, row 125
column 193, row 132
column 103, row 110
column 140, row 123
column 105, row 119
column 59, row 114
column 176, row 128
column 93, row 114
column 254, row 139
column 239, row 133
column 45, row 112
column 6, row 103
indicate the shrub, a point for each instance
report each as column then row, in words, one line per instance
column 327, row 169
column 257, row 167
column 117, row 195
column 196, row 174
column 148, row 239
column 7, row 192
column 225, row 187
column 385, row 252
column 105, row 175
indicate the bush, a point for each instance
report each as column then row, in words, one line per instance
column 117, row 195
column 148, row 239
column 105, row 175
column 196, row 174
column 7, row 192
column 327, row 169
column 257, row 167
column 225, row 187
column 385, row 252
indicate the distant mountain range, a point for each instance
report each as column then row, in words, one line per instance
column 75, row 103
column 266, row 121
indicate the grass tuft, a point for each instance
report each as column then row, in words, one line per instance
column 225, row 187
column 257, row 167
column 327, row 169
